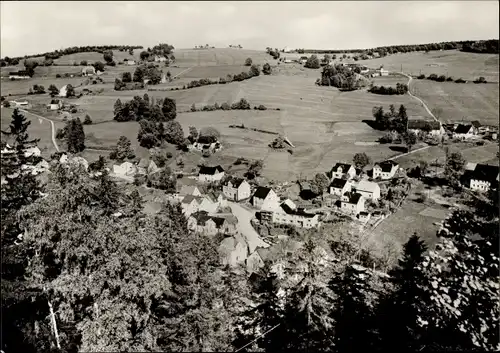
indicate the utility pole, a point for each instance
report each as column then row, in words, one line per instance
column 54, row 324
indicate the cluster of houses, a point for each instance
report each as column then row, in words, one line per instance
column 454, row 130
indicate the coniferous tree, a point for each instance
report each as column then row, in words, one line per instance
column 76, row 136
column 169, row 108
column 118, row 116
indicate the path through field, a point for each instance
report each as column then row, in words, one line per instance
column 53, row 127
column 421, row 101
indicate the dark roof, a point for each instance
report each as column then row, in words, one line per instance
column 345, row 167
column 387, row 166
column 485, row 172
column 297, row 212
column 419, row 124
column 206, row 139
column 462, row 129
column 261, row 192
column 338, row 183
column 201, row 217
column 54, row 101
column 19, row 73
column 219, row 222
column 235, row 182
column 363, row 213
column 476, row 123
column 353, row 197
column 211, row 170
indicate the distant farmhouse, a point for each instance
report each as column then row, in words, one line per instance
column 435, row 127
column 463, row 131
column 19, row 75
column 210, row 174
column 385, row 170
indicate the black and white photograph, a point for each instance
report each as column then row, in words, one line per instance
column 249, row 176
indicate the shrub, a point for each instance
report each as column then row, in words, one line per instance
column 248, row 62
column 262, row 107
column 449, row 79
column 312, row 62
column 241, row 105
column 225, row 106
column 87, row 120
column 83, row 63
column 421, row 77
column 441, row 78
column 460, row 80
column 480, row 80
column 387, row 138
column 433, row 77
column 58, row 75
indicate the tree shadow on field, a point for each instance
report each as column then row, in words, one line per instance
column 373, row 124
column 398, row 149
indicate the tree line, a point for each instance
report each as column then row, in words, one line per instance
column 56, row 54
column 145, row 108
column 94, row 272
column 341, row 77
column 400, row 89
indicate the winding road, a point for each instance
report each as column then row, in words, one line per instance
column 245, row 228
column 53, row 127
column 420, row 100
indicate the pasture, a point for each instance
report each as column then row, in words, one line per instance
column 219, row 57
column 452, row 63
column 467, row 101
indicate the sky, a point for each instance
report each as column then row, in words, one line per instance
column 30, row 27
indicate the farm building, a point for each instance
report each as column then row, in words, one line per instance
column 368, row 189
column 288, row 213
column 19, row 75
column 342, row 169
column 339, row 187
column 481, row 177
column 265, row 199
column 210, row 174
column 352, row 202
column 385, row 170
column 383, row 72
column 130, row 62
column 20, row 104
column 55, row 104
column 236, row 189
column 463, row 131
column 88, row 71
column 434, row 128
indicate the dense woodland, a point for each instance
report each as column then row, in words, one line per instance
column 80, row 255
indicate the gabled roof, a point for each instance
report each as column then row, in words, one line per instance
column 188, row 189
column 476, row 123
column 420, row 124
column 305, row 185
column 235, row 182
column 211, row 170
column 354, row 197
column 206, row 139
column 189, row 198
column 54, row 101
column 201, row 217
column 368, row 186
column 261, row 192
column 345, row 167
column 214, row 195
column 387, row 166
column 219, row 222
column 485, row 172
column 462, row 129
column 338, row 183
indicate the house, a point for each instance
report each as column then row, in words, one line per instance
column 88, row 71
column 236, row 189
column 190, row 204
column 368, row 189
column 20, row 104
column 125, row 169
column 288, row 213
column 217, row 198
column 55, row 104
column 206, row 143
column 201, row 222
column 484, row 177
column 464, row 131
column 19, row 75
column 385, row 170
column 233, row 250
column 352, row 202
column 63, row 91
column 435, row 127
column 364, row 216
column 210, row 174
column 383, row 72
column 477, row 125
column 265, row 199
column 340, row 170
column 32, row 152
column 130, row 62
column 339, row 187
column 190, row 190
column 160, row 58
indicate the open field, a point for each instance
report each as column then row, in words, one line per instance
column 39, row 128
column 466, row 101
column 389, row 81
column 450, row 63
column 222, row 57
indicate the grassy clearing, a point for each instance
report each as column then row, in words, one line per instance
column 222, row 57
column 450, row 63
column 39, row 128
column 389, row 81
column 107, row 134
column 467, row 101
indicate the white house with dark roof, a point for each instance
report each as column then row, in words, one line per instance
column 236, row 189
column 464, row 131
column 288, row 213
column 435, row 128
column 233, row 250
column 339, row 187
column 352, row 202
column 385, row 170
column 342, row 169
column 265, row 199
column 210, row 174
column 55, row 104
column 482, row 177
column 369, row 189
